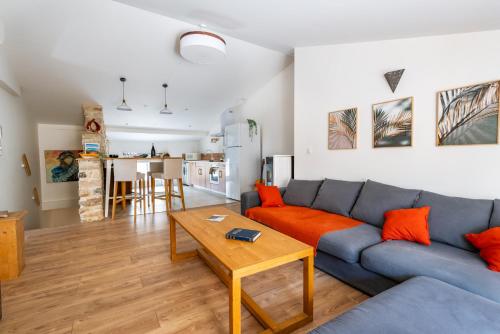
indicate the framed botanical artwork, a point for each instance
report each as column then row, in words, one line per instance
column 61, row 166
column 393, row 123
column 468, row 115
column 342, row 129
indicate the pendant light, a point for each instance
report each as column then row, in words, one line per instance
column 165, row 110
column 124, row 106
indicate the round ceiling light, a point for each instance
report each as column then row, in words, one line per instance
column 202, row 47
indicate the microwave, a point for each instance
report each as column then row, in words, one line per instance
column 192, row 156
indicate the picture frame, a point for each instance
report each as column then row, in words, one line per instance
column 393, row 123
column 92, row 148
column 343, row 129
column 468, row 115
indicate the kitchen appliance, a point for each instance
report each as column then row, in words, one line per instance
column 242, row 152
column 214, row 174
column 186, row 175
column 192, row 156
column 278, row 170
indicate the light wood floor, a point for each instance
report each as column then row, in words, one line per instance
column 195, row 198
column 116, row 277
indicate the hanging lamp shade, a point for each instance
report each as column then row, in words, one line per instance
column 165, row 110
column 123, row 106
column 202, row 47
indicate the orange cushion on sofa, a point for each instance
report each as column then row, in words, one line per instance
column 488, row 242
column 270, row 196
column 407, row 224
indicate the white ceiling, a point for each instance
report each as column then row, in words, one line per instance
column 285, row 24
column 73, row 51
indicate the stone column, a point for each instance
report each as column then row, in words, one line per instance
column 94, row 129
column 91, row 176
column 90, row 190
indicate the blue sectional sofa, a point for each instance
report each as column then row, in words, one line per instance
column 358, row 256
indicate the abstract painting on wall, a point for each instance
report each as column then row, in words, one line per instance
column 61, row 166
column 392, row 123
column 468, row 115
column 342, row 129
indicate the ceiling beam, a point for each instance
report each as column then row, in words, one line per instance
column 156, row 131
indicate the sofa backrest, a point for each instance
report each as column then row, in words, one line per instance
column 301, row 192
column 337, row 196
column 452, row 217
column 495, row 217
column 377, row 198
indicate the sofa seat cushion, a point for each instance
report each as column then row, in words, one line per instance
column 337, row 196
column 453, row 217
column 304, row 224
column 419, row 305
column 377, row 198
column 347, row 244
column 301, row 192
column 401, row 260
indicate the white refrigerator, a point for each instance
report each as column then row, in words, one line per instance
column 242, row 154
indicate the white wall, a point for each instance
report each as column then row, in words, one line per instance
column 174, row 148
column 329, row 78
column 58, row 137
column 272, row 108
column 18, row 138
column 207, row 146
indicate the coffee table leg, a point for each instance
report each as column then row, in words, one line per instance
column 308, row 285
column 235, row 305
column 174, row 256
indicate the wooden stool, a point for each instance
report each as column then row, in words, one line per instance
column 154, row 167
column 126, row 171
column 172, row 170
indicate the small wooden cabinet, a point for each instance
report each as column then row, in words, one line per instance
column 12, row 245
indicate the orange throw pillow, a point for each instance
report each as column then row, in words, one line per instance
column 407, row 224
column 488, row 242
column 270, row 196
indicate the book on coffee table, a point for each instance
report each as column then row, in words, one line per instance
column 216, row 218
column 243, row 234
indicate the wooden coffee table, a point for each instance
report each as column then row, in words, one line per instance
column 232, row 260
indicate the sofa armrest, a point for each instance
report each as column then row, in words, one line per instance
column 251, row 199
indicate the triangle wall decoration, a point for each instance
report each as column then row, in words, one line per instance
column 393, row 78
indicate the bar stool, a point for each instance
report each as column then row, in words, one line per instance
column 154, row 167
column 172, row 170
column 126, row 171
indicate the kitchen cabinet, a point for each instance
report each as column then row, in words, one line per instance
column 192, row 173
column 201, row 174
column 209, row 175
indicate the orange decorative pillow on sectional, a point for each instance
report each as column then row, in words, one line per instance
column 270, row 196
column 488, row 242
column 407, row 224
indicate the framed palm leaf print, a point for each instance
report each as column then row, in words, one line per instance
column 393, row 123
column 468, row 115
column 342, row 129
